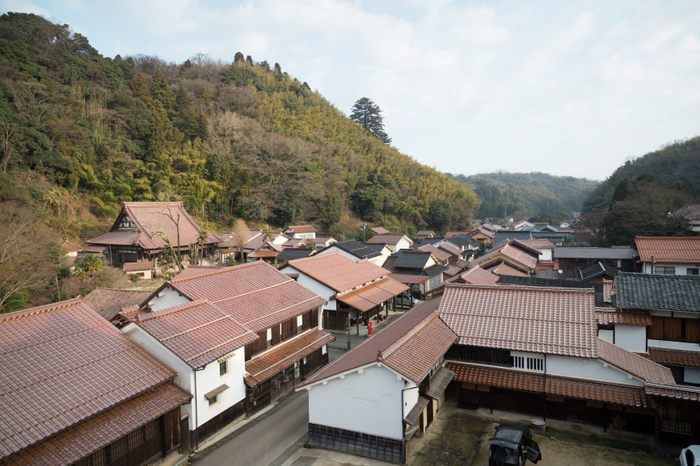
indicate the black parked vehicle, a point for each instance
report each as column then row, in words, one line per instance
column 513, row 445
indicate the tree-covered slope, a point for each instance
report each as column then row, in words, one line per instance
column 527, row 194
column 674, row 163
column 240, row 139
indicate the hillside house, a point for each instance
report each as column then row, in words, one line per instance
column 75, row 390
column 144, row 230
column 690, row 212
column 669, row 255
column 372, row 399
column 422, row 234
column 300, row 231
column 109, row 302
column 353, row 291
column 356, row 251
column 418, row 270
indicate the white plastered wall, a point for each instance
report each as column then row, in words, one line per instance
column 167, row 298
column 631, row 337
column 369, row 402
column 587, row 368
column 314, row 286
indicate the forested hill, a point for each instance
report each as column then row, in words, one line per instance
column 82, row 132
column 674, row 163
column 527, row 194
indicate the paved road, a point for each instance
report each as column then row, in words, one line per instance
column 264, row 441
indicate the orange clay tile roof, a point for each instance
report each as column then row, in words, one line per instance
column 537, row 244
column 262, row 366
column 607, row 316
column 634, row 364
column 337, row 271
column 255, row 294
column 411, row 345
column 541, row 320
column 62, row 364
column 387, row 239
column 139, row 266
column 451, row 249
column 372, row 295
column 150, row 218
column 409, row 279
column 439, row 254
column 674, row 357
column 194, row 270
column 108, row 303
column 70, row 247
column 681, row 392
column 196, row 332
column 263, row 253
column 478, row 276
column 669, row 249
column 103, row 429
column 508, row 250
column 608, row 286
column 380, row 231
column 302, row 228
column 505, row 269
column 552, row 385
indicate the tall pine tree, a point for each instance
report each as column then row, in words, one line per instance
column 369, row 116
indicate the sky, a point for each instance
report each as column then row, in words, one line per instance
column 567, row 88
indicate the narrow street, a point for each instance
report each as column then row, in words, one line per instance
column 262, row 441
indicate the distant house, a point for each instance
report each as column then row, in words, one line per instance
column 288, row 254
column 70, row 248
column 483, row 235
column 142, row 269
column 422, row 234
column 323, row 242
column 669, row 255
column 372, row 399
column 352, row 290
column 285, row 316
column 301, row 231
column 419, row 270
column 690, row 212
column 109, row 302
column 143, row 230
column 596, row 273
column 514, row 254
column 442, row 256
column 571, row 259
column 75, row 390
column 523, row 225
column 353, row 250
column 395, row 242
column 380, row 231
column 474, row 276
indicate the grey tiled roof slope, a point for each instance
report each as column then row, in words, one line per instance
column 411, row 260
column 596, row 270
column 294, row 253
column 657, row 292
column 358, row 249
column 548, row 282
column 502, row 236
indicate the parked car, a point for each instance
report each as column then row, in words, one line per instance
column 690, row 456
column 513, row 445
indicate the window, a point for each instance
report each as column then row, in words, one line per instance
column 300, row 323
column 660, row 270
column 213, row 399
column 692, row 271
column 528, row 363
column 269, row 337
column 223, row 368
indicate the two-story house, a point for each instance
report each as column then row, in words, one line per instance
column 669, row 255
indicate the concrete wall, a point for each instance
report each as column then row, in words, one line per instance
column 369, row 402
column 606, row 335
column 631, row 337
column 167, row 298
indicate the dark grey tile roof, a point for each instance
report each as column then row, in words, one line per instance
column 502, row 236
column 358, row 249
column 657, row 292
column 417, row 410
column 435, row 269
column 293, row 253
column 563, row 252
column 463, row 240
column 439, row 382
column 548, row 282
column 596, row 270
column 411, row 260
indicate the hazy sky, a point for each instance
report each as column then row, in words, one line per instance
column 568, row 88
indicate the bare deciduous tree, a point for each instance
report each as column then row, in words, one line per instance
column 240, row 235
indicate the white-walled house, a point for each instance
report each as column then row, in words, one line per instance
column 395, row 242
column 384, row 390
column 356, row 251
column 535, row 350
column 301, row 231
column 674, row 255
column 285, row 316
column 205, row 346
column 352, row 290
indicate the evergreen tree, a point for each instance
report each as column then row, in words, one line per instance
column 182, row 100
column 238, row 57
column 160, row 90
column 369, row 116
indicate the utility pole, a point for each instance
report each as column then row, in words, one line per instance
column 363, row 229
